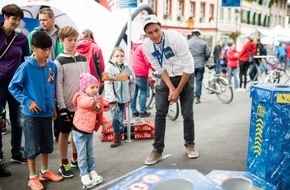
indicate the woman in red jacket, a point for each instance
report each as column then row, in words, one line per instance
column 249, row 47
column 233, row 63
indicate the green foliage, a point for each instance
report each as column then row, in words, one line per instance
column 260, row 2
column 273, row 1
column 234, row 35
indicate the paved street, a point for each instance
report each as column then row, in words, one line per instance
column 221, row 139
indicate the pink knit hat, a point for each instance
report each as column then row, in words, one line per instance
column 86, row 79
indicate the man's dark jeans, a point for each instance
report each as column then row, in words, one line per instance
column 161, row 105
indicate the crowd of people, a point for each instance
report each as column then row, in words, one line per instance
column 56, row 83
column 237, row 66
column 41, row 74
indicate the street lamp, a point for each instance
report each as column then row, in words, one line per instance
column 237, row 15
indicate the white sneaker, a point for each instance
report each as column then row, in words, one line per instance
column 95, row 177
column 244, row 90
column 86, row 181
column 239, row 89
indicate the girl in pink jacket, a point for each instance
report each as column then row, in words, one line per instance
column 86, row 120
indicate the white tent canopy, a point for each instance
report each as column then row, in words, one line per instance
column 82, row 14
column 269, row 37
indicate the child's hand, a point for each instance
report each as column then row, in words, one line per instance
column 105, row 77
column 33, row 107
column 93, row 102
column 54, row 115
column 113, row 105
column 65, row 115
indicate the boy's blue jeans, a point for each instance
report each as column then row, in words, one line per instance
column 118, row 118
column 38, row 136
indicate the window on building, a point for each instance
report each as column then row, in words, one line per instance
column 259, row 19
column 180, row 8
column 202, row 9
column 221, row 13
column 229, row 11
column 192, row 9
column 211, row 11
column 153, row 5
column 167, row 7
column 242, row 15
column 248, row 17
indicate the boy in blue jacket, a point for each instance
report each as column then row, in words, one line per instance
column 33, row 85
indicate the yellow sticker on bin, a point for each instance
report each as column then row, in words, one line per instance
column 283, row 98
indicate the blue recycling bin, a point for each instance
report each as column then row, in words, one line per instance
column 269, row 135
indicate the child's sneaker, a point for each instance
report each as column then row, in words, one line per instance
column 19, row 158
column 50, row 175
column 95, row 177
column 35, row 184
column 65, row 171
column 87, row 182
column 74, row 163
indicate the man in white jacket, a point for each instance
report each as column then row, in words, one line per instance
column 168, row 52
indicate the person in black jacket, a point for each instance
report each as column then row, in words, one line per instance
column 216, row 54
column 257, row 61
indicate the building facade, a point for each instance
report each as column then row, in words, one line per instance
column 217, row 22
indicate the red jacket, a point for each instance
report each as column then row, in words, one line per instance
column 233, row 61
column 89, row 48
column 140, row 62
column 288, row 51
column 247, row 48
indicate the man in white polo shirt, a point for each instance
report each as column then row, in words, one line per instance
column 169, row 55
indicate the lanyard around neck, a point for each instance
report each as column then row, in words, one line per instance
column 158, row 55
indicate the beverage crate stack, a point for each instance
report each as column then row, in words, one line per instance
column 140, row 129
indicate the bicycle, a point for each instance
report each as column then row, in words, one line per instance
column 173, row 110
column 273, row 68
column 217, row 84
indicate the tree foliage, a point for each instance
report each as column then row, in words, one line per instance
column 260, row 2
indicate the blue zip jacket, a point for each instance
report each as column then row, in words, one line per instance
column 33, row 83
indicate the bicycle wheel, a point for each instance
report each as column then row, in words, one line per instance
column 273, row 77
column 150, row 97
column 287, row 71
column 173, row 111
column 223, row 90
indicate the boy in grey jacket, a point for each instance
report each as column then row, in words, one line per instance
column 119, row 93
